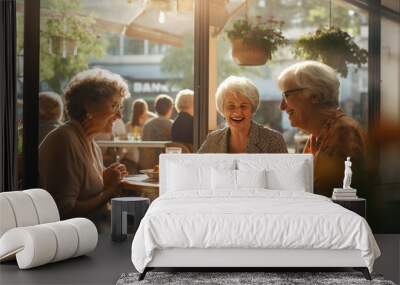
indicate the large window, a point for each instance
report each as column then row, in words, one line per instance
column 298, row 18
column 389, row 172
column 133, row 46
column 125, row 37
column 79, row 34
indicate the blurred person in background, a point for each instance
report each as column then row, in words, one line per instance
column 237, row 100
column 51, row 108
column 140, row 115
column 182, row 128
column 70, row 162
column 157, row 129
column 310, row 96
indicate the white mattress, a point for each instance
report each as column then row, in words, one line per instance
column 252, row 219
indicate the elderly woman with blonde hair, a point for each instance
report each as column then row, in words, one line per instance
column 310, row 96
column 70, row 162
column 237, row 101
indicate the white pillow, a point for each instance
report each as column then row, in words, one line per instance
column 281, row 174
column 227, row 179
column 185, row 177
column 251, row 178
column 223, row 179
column 188, row 175
column 292, row 179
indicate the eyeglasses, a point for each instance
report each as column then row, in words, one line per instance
column 287, row 93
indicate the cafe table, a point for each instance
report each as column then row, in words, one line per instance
column 132, row 143
column 141, row 185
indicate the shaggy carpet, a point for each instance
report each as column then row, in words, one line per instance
column 242, row 278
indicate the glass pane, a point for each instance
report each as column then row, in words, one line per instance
column 114, row 44
column 19, row 93
column 391, row 4
column 148, row 43
column 390, row 70
column 298, row 18
column 133, row 46
column 388, row 204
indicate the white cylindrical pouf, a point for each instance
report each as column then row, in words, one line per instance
column 23, row 207
column 87, row 234
column 7, row 218
column 34, row 246
column 45, row 206
column 67, row 239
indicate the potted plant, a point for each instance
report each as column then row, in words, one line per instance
column 254, row 44
column 333, row 47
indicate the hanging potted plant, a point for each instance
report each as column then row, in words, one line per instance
column 333, row 47
column 254, row 44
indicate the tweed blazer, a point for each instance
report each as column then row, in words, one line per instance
column 261, row 140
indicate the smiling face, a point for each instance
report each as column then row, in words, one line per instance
column 297, row 105
column 105, row 113
column 237, row 111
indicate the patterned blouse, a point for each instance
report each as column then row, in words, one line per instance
column 261, row 140
column 341, row 136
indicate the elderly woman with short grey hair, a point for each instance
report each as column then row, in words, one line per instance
column 310, row 97
column 237, row 101
column 50, row 113
column 182, row 128
column 70, row 162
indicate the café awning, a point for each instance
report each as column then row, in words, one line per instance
column 161, row 21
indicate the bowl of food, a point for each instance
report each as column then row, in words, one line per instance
column 153, row 173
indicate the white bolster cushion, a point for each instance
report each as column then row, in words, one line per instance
column 7, row 218
column 33, row 246
column 67, row 240
column 23, row 208
column 37, row 245
column 46, row 208
column 87, row 235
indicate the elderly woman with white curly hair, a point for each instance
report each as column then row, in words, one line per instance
column 237, row 101
column 182, row 128
column 310, row 96
column 70, row 162
column 50, row 113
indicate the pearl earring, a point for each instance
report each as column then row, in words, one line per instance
column 89, row 116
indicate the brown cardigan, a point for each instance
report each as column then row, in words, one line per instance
column 341, row 136
column 68, row 168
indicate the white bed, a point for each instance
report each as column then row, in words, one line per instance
column 222, row 210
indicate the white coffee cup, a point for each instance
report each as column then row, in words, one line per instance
column 175, row 150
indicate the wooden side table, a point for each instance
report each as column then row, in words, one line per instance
column 357, row 205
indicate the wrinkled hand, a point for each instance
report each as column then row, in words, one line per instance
column 113, row 175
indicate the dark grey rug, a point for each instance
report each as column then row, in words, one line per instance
column 229, row 278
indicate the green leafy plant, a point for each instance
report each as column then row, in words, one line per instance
column 260, row 35
column 64, row 24
column 333, row 47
